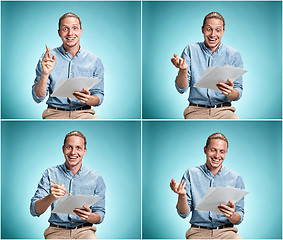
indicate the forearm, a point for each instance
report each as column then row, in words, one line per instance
column 93, row 218
column 42, row 204
column 41, row 87
column 233, row 95
column 93, row 100
column 182, row 78
column 182, row 205
column 235, row 218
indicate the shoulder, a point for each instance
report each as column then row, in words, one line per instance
column 193, row 47
column 88, row 54
column 196, row 170
column 91, row 173
column 229, row 50
column 232, row 174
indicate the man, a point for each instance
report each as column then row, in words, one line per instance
column 68, row 61
column 195, row 59
column 195, row 183
column 74, row 178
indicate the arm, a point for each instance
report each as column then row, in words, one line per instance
column 182, row 78
column 56, row 191
column 47, row 65
column 95, row 213
column 95, row 95
column 182, row 204
column 228, row 89
column 229, row 212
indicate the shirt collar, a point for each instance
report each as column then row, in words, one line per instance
column 206, row 49
column 68, row 171
column 210, row 173
column 63, row 51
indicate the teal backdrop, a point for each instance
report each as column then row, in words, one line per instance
column 111, row 30
column 252, row 27
column 113, row 150
column 255, row 152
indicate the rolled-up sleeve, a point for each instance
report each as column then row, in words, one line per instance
column 43, row 189
column 240, row 204
column 98, row 89
column 38, row 72
column 185, row 54
column 238, row 83
column 188, row 194
column 99, row 206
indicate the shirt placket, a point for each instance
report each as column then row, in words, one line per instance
column 209, row 91
column 211, row 213
column 72, row 192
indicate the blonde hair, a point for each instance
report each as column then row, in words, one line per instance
column 77, row 134
column 214, row 15
column 69, row 14
column 216, row 136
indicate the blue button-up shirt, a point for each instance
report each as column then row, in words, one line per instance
column 86, row 181
column 84, row 64
column 199, row 58
column 198, row 180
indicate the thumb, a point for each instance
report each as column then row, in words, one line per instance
column 53, row 58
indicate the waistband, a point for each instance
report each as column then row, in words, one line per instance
column 225, row 104
column 80, row 226
column 228, row 225
column 77, row 109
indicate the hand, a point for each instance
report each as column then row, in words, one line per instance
column 227, row 210
column 83, row 213
column 84, row 96
column 178, row 188
column 226, row 88
column 57, row 191
column 179, row 62
column 47, row 62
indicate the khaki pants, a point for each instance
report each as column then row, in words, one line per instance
column 62, row 233
column 201, row 233
column 194, row 112
column 50, row 113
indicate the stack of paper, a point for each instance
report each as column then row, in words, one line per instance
column 217, row 195
column 68, row 204
column 214, row 75
column 66, row 87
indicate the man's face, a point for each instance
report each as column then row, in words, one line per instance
column 70, row 32
column 215, row 154
column 74, row 150
column 213, row 31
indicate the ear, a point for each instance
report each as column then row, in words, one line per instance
column 202, row 30
column 204, row 149
column 85, row 151
column 59, row 33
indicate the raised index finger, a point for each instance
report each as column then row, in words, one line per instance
column 47, row 51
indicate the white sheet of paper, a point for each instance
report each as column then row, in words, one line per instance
column 217, row 195
column 214, row 75
column 68, row 204
column 66, row 87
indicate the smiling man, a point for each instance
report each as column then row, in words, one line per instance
column 74, row 178
column 195, row 59
column 195, row 183
column 69, row 60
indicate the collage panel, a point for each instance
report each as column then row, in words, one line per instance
column 254, row 154
column 170, row 26
column 31, row 147
column 110, row 49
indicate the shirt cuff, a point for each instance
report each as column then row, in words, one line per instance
column 32, row 209
column 240, row 93
column 100, row 96
column 183, row 215
column 101, row 214
column 36, row 98
column 180, row 90
column 242, row 218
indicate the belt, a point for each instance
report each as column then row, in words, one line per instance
column 80, row 226
column 226, row 104
column 77, row 109
column 228, row 225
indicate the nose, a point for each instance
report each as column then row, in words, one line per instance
column 217, row 154
column 70, row 31
column 73, row 151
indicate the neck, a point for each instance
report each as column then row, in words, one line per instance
column 214, row 170
column 74, row 170
column 72, row 50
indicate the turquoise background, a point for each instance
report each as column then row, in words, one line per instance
column 111, row 30
column 255, row 152
column 252, row 27
column 113, row 150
